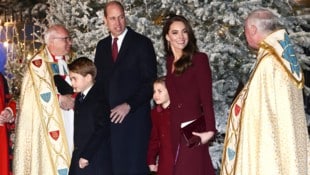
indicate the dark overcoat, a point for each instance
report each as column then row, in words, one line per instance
column 129, row 79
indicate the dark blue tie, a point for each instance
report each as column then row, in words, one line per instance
column 81, row 98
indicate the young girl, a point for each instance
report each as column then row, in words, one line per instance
column 160, row 140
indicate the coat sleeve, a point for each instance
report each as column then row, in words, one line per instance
column 148, row 71
column 9, row 101
column 153, row 148
column 204, row 79
column 101, row 134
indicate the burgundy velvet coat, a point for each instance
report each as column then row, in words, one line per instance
column 191, row 96
column 160, row 141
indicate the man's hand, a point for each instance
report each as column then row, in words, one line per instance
column 66, row 102
column 119, row 113
column 83, row 163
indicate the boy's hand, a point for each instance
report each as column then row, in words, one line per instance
column 83, row 163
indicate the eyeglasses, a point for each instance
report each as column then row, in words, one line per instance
column 68, row 38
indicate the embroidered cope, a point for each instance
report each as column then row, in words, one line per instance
column 266, row 128
column 43, row 131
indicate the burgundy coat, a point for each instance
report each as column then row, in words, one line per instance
column 190, row 96
column 160, row 141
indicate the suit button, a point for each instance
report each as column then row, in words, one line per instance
column 179, row 105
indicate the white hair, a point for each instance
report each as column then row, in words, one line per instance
column 264, row 20
column 51, row 31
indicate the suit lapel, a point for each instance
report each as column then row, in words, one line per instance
column 126, row 42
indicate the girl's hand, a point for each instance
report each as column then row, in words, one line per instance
column 153, row 168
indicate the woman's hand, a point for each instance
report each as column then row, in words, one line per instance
column 204, row 136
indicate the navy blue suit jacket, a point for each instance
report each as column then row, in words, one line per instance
column 91, row 136
column 129, row 79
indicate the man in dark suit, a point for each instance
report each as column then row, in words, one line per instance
column 125, row 76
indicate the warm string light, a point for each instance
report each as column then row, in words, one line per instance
column 18, row 41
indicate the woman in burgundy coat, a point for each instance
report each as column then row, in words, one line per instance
column 190, row 88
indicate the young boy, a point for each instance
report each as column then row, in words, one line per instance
column 159, row 143
column 91, row 153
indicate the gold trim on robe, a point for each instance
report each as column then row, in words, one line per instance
column 41, row 146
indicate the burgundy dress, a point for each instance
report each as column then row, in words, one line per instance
column 191, row 96
column 160, row 141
